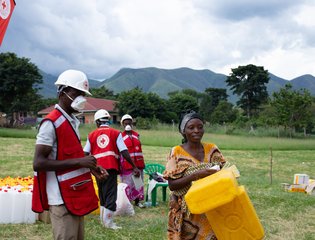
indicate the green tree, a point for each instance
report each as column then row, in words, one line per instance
column 311, row 124
column 210, row 100
column 19, row 86
column 160, row 109
column 103, row 92
column 217, row 95
column 268, row 116
column 181, row 102
column 205, row 107
column 293, row 108
column 190, row 92
column 224, row 113
column 249, row 83
column 136, row 103
column 43, row 103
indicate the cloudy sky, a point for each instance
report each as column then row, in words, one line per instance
column 102, row 36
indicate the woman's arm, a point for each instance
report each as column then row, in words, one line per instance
column 176, row 184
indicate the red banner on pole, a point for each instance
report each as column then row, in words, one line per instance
column 6, row 9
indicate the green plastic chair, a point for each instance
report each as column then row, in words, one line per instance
column 149, row 169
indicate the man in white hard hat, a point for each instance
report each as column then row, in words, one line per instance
column 106, row 143
column 62, row 181
column 131, row 138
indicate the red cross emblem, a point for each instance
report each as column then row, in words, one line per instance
column 86, row 85
column 4, row 5
column 102, row 141
column 5, row 9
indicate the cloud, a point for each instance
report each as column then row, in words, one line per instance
column 244, row 9
column 101, row 37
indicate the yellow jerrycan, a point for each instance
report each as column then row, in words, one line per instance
column 227, row 206
column 96, row 211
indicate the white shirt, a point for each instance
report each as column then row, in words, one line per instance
column 47, row 136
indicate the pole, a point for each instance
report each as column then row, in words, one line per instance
column 270, row 173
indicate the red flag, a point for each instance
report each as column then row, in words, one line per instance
column 6, row 9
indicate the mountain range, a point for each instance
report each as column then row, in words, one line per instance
column 163, row 81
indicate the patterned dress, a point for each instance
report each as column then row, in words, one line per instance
column 182, row 225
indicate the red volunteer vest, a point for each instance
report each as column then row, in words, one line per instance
column 75, row 184
column 104, row 148
column 134, row 148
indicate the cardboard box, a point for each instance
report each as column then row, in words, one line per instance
column 301, row 178
column 297, row 188
column 286, row 186
column 310, row 189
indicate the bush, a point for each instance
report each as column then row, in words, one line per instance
column 146, row 123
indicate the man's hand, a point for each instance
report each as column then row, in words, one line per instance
column 100, row 173
column 136, row 172
column 88, row 162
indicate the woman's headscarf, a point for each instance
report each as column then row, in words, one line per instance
column 186, row 118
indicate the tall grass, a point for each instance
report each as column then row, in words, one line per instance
column 18, row 133
column 284, row 215
column 171, row 138
column 168, row 136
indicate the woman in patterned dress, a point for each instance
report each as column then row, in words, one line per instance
column 192, row 154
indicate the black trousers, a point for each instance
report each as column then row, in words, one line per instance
column 107, row 190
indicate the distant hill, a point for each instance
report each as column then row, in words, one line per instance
column 48, row 88
column 305, row 81
column 163, row 81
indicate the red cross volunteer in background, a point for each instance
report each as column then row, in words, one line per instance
column 105, row 144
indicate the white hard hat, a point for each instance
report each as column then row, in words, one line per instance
column 101, row 114
column 126, row 116
column 75, row 79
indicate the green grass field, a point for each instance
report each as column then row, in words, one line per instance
column 284, row 215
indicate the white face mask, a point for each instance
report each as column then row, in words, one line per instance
column 128, row 128
column 78, row 103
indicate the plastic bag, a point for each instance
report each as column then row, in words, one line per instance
column 157, row 177
column 137, row 182
column 124, row 207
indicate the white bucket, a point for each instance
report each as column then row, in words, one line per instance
column 18, row 206
column 29, row 215
column 6, row 205
column 15, row 206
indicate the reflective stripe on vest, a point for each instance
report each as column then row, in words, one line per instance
column 128, row 136
column 105, row 154
column 72, row 174
column 59, row 121
column 137, row 154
